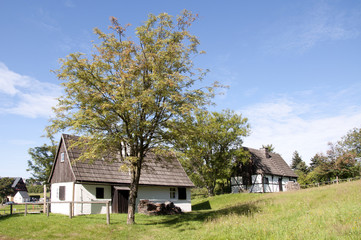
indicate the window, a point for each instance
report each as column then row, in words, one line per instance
column 266, row 181
column 99, row 192
column 62, row 193
column 62, row 157
column 172, row 192
column 182, row 193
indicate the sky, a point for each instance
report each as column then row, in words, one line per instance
column 292, row 67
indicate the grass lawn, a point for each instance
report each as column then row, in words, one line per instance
column 331, row 212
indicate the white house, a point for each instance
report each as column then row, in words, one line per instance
column 20, row 194
column 21, row 197
column 265, row 172
column 161, row 180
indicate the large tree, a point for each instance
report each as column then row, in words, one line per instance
column 5, row 188
column 41, row 163
column 351, row 142
column 296, row 159
column 121, row 99
column 212, row 145
column 317, row 160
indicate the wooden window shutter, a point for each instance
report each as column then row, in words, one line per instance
column 62, row 193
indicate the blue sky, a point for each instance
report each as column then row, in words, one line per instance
column 293, row 67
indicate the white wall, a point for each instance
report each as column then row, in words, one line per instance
column 18, row 198
column 62, row 208
column 158, row 194
column 272, row 186
column 87, row 192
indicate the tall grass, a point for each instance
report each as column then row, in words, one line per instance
column 331, row 212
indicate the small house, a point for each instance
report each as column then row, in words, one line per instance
column 20, row 194
column 265, row 172
column 161, row 180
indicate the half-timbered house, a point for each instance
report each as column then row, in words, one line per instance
column 20, row 192
column 161, row 180
column 265, row 172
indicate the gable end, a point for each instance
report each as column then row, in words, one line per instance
column 62, row 170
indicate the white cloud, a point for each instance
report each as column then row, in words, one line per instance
column 23, row 95
column 295, row 125
column 322, row 23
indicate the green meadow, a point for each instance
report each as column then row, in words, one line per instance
column 330, row 212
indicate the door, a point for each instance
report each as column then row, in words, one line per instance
column 280, row 184
column 123, row 196
column 120, row 200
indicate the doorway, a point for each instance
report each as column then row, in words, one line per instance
column 120, row 200
column 123, row 196
column 280, row 184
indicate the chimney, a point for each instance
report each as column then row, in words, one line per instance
column 265, row 152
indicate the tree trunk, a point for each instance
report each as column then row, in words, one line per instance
column 210, row 190
column 134, row 182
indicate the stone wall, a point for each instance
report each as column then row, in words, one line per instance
column 292, row 186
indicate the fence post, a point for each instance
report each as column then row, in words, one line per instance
column 11, row 209
column 47, row 209
column 108, row 216
column 70, row 213
column 26, row 209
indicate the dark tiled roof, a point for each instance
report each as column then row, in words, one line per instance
column 155, row 171
column 16, row 181
column 272, row 164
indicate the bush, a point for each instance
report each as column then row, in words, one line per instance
column 35, row 188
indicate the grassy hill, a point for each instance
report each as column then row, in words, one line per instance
column 331, row 212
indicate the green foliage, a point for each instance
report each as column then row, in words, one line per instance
column 330, row 212
column 317, row 160
column 5, row 188
column 302, row 167
column 340, row 160
column 211, row 143
column 121, row 99
column 35, row 188
column 296, row 159
column 298, row 165
column 199, row 193
column 351, row 142
column 42, row 162
column 269, row 147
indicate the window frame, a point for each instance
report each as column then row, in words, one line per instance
column 172, row 193
column 62, row 157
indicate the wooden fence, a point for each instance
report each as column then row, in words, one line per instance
column 46, row 207
column 335, row 181
column 20, row 208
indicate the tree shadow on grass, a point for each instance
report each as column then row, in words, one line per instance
column 202, row 206
column 4, row 217
column 202, row 213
